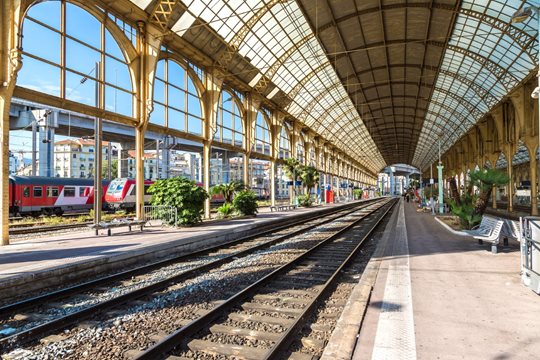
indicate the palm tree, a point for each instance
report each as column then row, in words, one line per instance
column 309, row 176
column 227, row 190
column 485, row 180
column 291, row 168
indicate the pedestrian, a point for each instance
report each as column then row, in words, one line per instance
column 407, row 197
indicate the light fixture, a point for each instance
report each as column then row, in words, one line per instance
column 521, row 15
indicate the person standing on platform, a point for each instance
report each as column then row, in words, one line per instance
column 407, row 196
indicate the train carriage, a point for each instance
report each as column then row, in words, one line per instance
column 35, row 195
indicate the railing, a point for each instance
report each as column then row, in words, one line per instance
column 160, row 215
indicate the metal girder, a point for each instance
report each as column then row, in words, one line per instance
column 161, row 14
column 518, row 35
column 232, row 47
column 292, row 94
column 269, row 74
column 316, row 100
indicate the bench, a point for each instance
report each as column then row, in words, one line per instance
column 283, row 207
column 109, row 225
column 491, row 234
column 484, row 227
column 510, row 230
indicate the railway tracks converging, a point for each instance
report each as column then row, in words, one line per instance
column 34, row 318
column 260, row 322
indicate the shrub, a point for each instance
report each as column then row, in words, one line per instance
column 245, row 202
column 357, row 193
column 227, row 190
column 225, row 210
column 183, row 194
column 305, row 200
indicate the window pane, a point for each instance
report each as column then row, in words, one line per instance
column 83, row 26
column 84, row 93
column 117, row 73
column 176, row 98
column 159, row 91
column 227, row 136
column 48, row 12
column 194, row 125
column 69, row 191
column 176, row 74
column 42, row 42
column 111, row 46
column 48, row 80
column 157, row 116
column 81, row 58
column 118, row 101
column 177, row 120
column 194, row 106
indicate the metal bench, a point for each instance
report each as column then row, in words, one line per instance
column 283, row 207
column 510, row 230
column 109, row 225
column 491, row 234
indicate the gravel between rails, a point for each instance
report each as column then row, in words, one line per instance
column 89, row 298
column 140, row 325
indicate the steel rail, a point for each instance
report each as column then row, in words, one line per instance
column 61, row 322
column 161, row 349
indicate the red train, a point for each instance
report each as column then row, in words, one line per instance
column 121, row 194
column 35, row 195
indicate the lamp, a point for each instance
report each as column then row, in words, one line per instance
column 522, row 14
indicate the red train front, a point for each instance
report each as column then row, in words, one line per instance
column 35, row 195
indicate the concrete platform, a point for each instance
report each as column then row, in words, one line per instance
column 438, row 296
column 49, row 260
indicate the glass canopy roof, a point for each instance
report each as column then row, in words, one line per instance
column 483, row 62
column 485, row 58
column 283, row 47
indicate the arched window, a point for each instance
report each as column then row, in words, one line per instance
column 300, row 149
column 230, row 128
column 71, row 74
column 312, row 157
column 284, row 144
column 262, row 135
column 177, row 103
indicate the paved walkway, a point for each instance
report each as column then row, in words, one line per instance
column 26, row 257
column 461, row 301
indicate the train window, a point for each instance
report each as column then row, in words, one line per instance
column 38, row 191
column 146, row 189
column 52, row 191
column 69, row 191
column 82, row 191
column 26, row 191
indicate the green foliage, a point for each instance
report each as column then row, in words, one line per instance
column 357, row 193
column 183, row 194
column 305, row 200
column 245, row 202
column 465, row 211
column 431, row 191
column 225, row 210
column 227, row 190
column 486, row 178
column 309, row 176
column 291, row 167
column 470, row 207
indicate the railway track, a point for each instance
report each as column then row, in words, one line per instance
column 46, row 228
column 262, row 320
column 34, row 318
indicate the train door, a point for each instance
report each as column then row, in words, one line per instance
column 36, row 197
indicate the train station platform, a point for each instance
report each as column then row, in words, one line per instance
column 49, row 260
column 428, row 294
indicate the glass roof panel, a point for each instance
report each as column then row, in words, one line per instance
column 488, row 64
column 279, row 37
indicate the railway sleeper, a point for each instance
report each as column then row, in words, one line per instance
column 310, row 271
column 307, row 277
column 271, row 309
column 302, row 356
column 209, row 347
column 287, row 290
column 281, row 298
column 247, row 333
column 289, row 285
column 260, row 319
